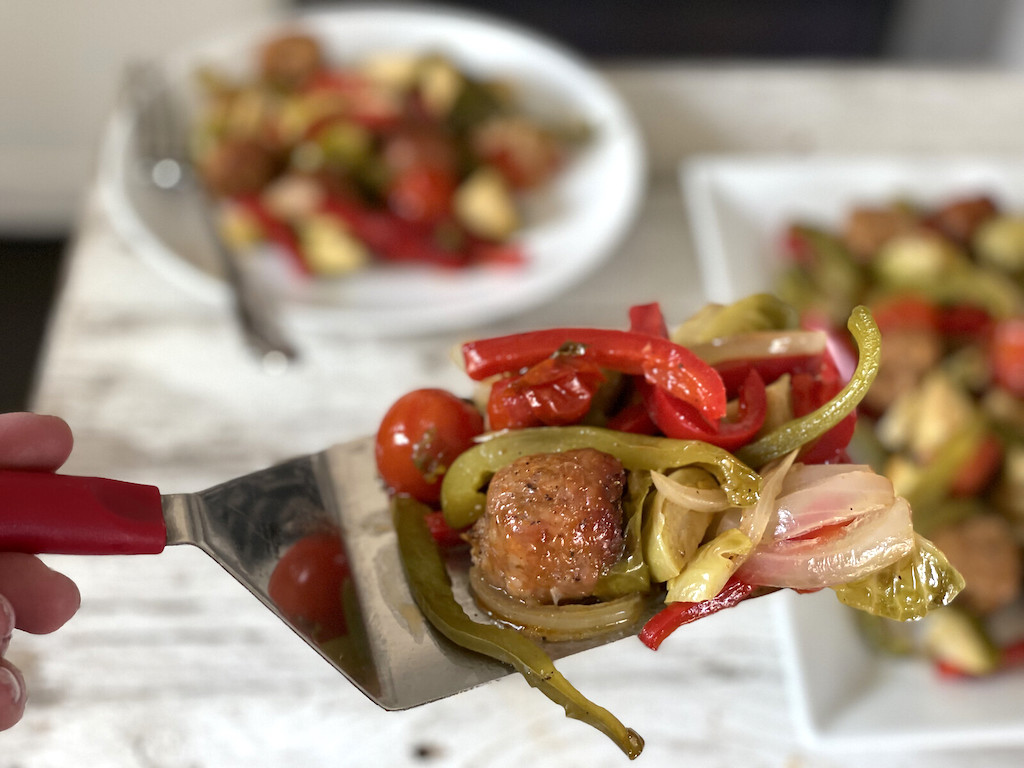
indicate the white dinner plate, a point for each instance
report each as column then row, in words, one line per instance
column 846, row 695
column 571, row 226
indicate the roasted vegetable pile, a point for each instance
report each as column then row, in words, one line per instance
column 599, row 473
column 403, row 157
column 945, row 417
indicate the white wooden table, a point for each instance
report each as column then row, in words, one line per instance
column 171, row 663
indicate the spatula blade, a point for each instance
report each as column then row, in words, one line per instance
column 387, row 648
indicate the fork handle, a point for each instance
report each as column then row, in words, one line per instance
column 261, row 332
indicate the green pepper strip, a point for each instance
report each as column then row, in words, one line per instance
column 462, row 492
column 757, row 312
column 431, row 588
column 630, row 574
column 793, row 434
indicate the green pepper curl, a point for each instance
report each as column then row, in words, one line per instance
column 432, row 590
column 798, row 432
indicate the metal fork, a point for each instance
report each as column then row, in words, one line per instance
column 162, row 141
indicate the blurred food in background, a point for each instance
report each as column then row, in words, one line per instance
column 945, row 419
column 401, row 157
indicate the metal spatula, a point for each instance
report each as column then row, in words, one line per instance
column 248, row 525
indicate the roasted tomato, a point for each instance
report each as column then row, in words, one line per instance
column 306, row 585
column 420, row 436
column 1008, row 355
column 422, row 194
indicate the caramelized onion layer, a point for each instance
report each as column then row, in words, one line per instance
column 575, row 621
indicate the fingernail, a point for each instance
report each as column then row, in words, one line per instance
column 10, row 685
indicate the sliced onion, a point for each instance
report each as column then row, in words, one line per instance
column 728, row 519
column 831, row 501
column 556, row 622
column 761, row 344
column 806, row 475
column 755, row 519
column 872, row 541
column 689, row 496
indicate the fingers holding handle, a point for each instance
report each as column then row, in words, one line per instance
column 33, row 441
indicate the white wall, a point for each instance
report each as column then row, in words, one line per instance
column 60, row 63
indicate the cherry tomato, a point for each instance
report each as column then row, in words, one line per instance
column 422, row 194
column 420, row 436
column 444, row 535
column 306, row 585
column 1008, row 355
column 906, row 311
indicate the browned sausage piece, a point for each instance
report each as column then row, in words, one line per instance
column 867, row 229
column 984, row 550
column 238, row 167
column 907, row 355
column 290, row 61
column 552, row 526
column 960, row 219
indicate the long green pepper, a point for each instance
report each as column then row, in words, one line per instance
column 798, row 432
column 432, row 590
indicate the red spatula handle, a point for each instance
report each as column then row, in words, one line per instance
column 41, row 512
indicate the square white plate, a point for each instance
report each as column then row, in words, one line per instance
column 739, row 206
column 844, row 694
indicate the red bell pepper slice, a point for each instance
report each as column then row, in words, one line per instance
column 555, row 391
column 633, row 418
column 390, row 237
column 443, row 534
column 734, row 372
column 682, row 421
column 648, row 318
column 276, row 231
column 674, row 615
column 664, row 364
column 1012, row 656
column 491, row 254
column 965, row 323
column 675, row 418
column 810, row 392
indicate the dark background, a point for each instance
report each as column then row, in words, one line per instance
column 599, row 29
column 616, row 29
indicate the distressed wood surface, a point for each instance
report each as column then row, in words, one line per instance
column 171, row 663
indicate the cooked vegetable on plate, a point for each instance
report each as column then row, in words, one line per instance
column 403, row 157
column 944, row 419
column 613, row 482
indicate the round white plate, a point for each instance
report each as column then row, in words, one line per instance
column 571, row 226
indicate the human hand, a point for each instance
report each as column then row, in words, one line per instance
column 33, row 598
